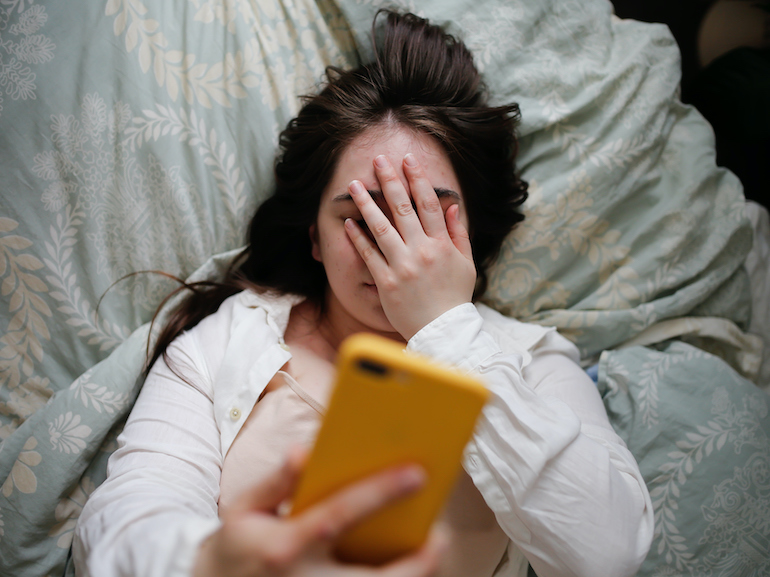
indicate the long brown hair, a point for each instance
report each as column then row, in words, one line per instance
column 422, row 79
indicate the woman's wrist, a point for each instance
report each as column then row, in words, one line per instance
column 455, row 338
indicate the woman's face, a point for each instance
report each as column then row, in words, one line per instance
column 353, row 303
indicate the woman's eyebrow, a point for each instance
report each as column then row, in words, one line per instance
column 377, row 195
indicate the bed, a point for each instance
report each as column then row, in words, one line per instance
column 138, row 136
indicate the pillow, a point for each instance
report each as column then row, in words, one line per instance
column 629, row 221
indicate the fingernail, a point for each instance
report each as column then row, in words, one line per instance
column 412, row 478
column 356, row 187
column 442, row 541
column 410, row 160
column 381, row 161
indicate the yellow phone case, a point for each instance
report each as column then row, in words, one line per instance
column 390, row 408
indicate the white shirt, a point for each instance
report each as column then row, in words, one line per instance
column 563, row 486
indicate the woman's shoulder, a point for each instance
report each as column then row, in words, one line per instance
column 248, row 312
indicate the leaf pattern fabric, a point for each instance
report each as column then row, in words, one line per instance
column 702, row 433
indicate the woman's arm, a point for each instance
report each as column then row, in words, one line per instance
column 563, row 485
column 160, row 498
column 156, row 515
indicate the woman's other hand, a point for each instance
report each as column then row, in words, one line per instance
column 255, row 541
column 422, row 262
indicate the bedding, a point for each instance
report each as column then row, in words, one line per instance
column 138, row 136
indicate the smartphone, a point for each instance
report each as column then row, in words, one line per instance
column 390, row 407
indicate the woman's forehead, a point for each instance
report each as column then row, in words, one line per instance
column 356, row 161
column 395, row 140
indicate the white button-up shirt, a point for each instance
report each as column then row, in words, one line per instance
column 544, row 456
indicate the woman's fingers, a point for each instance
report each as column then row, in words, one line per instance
column 366, row 248
column 253, row 540
column 425, row 198
column 457, row 232
column 386, row 237
column 332, row 516
column 413, row 216
column 405, row 218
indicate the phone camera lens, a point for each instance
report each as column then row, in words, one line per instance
column 372, row 367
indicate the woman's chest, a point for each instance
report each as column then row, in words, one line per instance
column 286, row 414
column 289, row 412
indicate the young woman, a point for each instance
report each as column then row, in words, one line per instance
column 395, row 187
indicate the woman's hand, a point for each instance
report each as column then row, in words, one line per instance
column 254, row 541
column 422, row 262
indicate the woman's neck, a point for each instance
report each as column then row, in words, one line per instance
column 332, row 324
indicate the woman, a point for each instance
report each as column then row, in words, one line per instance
column 395, row 187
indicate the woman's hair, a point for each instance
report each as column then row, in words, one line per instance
column 421, row 79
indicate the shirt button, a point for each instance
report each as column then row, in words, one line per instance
column 284, row 346
column 235, row 414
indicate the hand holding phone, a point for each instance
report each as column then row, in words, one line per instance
column 254, row 539
column 389, row 408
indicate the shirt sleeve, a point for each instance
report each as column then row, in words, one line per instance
column 562, row 484
column 160, row 498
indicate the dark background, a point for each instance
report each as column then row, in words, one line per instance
column 732, row 92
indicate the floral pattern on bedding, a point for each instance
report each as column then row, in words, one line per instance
column 24, row 48
column 140, row 136
column 705, row 453
column 135, row 178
